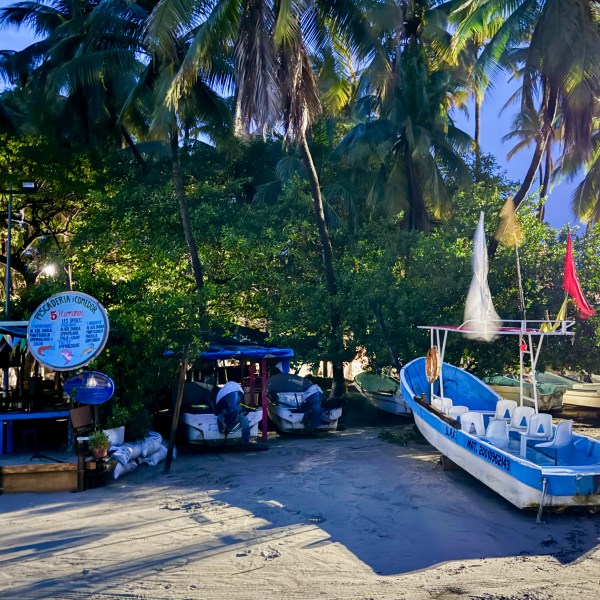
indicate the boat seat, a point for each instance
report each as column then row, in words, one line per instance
column 472, row 423
column 497, row 433
column 456, row 411
column 505, row 409
column 521, row 418
column 563, row 437
column 539, row 429
column 442, row 404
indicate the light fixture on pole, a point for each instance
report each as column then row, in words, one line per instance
column 27, row 187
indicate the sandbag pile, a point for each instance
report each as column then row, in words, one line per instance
column 152, row 450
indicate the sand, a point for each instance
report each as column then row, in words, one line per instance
column 342, row 516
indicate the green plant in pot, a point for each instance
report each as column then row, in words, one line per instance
column 99, row 444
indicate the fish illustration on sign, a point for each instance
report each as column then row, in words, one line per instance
column 42, row 349
column 67, row 355
column 87, row 350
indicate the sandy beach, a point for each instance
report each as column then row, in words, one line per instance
column 346, row 515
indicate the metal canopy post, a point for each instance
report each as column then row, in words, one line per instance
column 525, row 330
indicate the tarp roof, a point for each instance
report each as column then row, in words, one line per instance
column 14, row 328
column 244, row 352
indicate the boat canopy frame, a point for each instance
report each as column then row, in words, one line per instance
column 528, row 331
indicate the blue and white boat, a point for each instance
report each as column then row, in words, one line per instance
column 520, row 453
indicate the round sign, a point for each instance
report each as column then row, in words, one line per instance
column 90, row 387
column 67, row 331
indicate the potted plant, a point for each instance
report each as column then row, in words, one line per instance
column 99, row 443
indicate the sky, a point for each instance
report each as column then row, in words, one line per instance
column 495, row 125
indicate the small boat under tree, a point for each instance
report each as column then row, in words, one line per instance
column 383, row 392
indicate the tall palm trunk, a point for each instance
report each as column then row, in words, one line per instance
column 550, row 104
column 477, row 138
column 339, row 385
column 544, row 184
column 184, row 209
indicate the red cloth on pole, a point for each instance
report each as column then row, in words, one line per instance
column 571, row 284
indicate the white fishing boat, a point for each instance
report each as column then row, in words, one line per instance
column 383, row 392
column 222, row 421
column 521, row 454
column 296, row 405
column 578, row 393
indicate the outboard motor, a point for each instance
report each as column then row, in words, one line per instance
column 311, row 405
column 228, row 410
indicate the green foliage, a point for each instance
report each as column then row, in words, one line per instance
column 407, row 434
column 98, row 440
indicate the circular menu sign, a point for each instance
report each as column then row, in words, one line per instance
column 67, row 331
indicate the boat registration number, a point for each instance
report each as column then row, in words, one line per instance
column 488, row 454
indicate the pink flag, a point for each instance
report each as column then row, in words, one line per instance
column 571, row 284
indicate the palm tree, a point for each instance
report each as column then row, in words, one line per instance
column 556, row 45
column 108, row 77
column 276, row 91
column 409, row 136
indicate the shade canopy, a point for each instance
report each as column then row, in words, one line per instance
column 244, row 352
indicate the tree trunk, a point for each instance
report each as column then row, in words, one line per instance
column 477, row 137
column 376, row 308
column 339, row 385
column 543, row 140
column 184, row 209
column 545, row 184
column 133, row 147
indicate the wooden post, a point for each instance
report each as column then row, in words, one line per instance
column 252, row 385
column 263, row 378
column 177, row 409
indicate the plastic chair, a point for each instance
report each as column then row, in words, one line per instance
column 563, row 436
column 505, row 409
column 497, row 433
column 436, row 402
column 472, row 423
column 457, row 411
column 539, row 428
column 521, row 418
column 442, row 404
column 446, row 405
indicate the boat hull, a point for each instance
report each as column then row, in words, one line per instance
column 288, row 421
column 204, row 429
column 546, row 402
column 393, row 404
column 587, row 399
column 519, row 480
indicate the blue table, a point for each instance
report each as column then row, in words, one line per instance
column 10, row 417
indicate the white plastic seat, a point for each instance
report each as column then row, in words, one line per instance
column 563, row 436
column 521, row 418
column 446, row 405
column 436, row 402
column 505, row 409
column 472, row 423
column 457, row 411
column 539, row 429
column 497, row 433
column 442, row 404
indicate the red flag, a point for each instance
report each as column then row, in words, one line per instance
column 571, row 284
